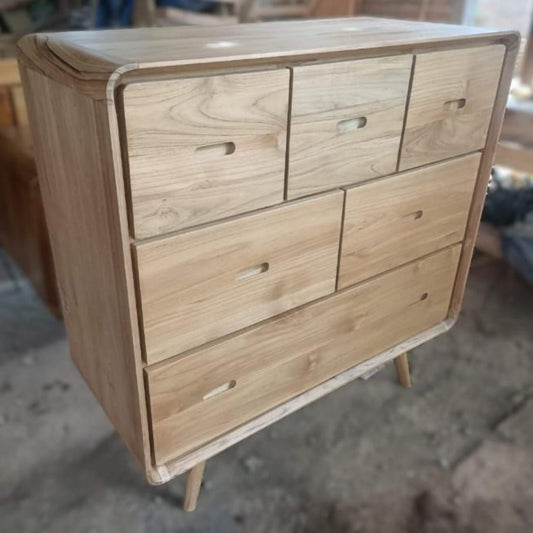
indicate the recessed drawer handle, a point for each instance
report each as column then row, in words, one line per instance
column 253, row 271
column 219, row 390
column 454, row 105
column 214, row 150
column 415, row 215
column 351, row 124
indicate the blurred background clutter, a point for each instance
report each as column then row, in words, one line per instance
column 452, row 455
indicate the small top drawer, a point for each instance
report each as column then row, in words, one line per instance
column 451, row 102
column 202, row 284
column 346, row 122
column 202, row 149
column 391, row 221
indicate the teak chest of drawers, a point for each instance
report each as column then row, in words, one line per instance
column 245, row 218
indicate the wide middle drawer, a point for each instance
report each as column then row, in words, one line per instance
column 201, row 284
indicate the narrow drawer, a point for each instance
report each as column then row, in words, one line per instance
column 395, row 220
column 451, row 102
column 346, row 122
column 202, row 149
column 202, row 284
column 204, row 394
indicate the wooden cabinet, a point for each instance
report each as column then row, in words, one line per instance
column 235, row 212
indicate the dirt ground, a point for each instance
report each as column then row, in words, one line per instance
column 452, row 455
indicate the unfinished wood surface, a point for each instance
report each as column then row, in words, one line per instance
column 163, row 473
column 203, row 284
column 206, row 393
column 193, row 486
column 205, row 148
column 86, row 218
column 450, row 105
column 402, row 369
column 87, row 59
column 485, row 168
column 346, row 122
column 394, row 220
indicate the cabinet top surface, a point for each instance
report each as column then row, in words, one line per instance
column 93, row 56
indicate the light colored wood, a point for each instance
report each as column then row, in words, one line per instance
column 9, row 72
column 252, row 374
column 203, row 284
column 19, row 106
column 86, row 217
column 402, row 369
column 192, row 488
column 163, row 473
column 346, row 122
column 450, row 105
column 88, row 59
column 485, row 167
column 514, row 156
column 201, row 149
column 394, row 220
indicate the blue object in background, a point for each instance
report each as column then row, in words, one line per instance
column 190, row 5
column 114, row 13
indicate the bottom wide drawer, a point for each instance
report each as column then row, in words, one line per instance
column 202, row 395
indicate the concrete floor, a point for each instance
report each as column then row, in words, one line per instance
column 453, row 454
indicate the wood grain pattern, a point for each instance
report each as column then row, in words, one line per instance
column 346, row 122
column 163, row 473
column 392, row 221
column 86, row 217
column 450, row 105
column 87, row 59
column 485, row 167
column 203, row 284
column 319, row 341
column 202, row 149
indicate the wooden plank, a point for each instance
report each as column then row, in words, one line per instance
column 514, row 156
column 392, row 221
column 450, row 104
column 203, row 284
column 19, row 106
column 9, row 72
column 346, row 122
column 202, row 149
column 86, row 216
column 87, row 59
column 319, row 341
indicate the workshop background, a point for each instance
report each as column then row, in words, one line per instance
column 454, row 454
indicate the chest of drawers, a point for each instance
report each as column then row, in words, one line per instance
column 245, row 218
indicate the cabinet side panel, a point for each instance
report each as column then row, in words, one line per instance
column 483, row 177
column 74, row 156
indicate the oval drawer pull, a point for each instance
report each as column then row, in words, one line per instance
column 415, row 215
column 351, row 124
column 211, row 151
column 454, row 105
column 219, row 390
column 253, row 271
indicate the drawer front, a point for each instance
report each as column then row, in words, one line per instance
column 204, row 394
column 203, row 149
column 451, row 102
column 395, row 220
column 202, row 284
column 346, row 122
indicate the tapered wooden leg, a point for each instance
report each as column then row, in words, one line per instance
column 192, row 489
column 402, row 370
